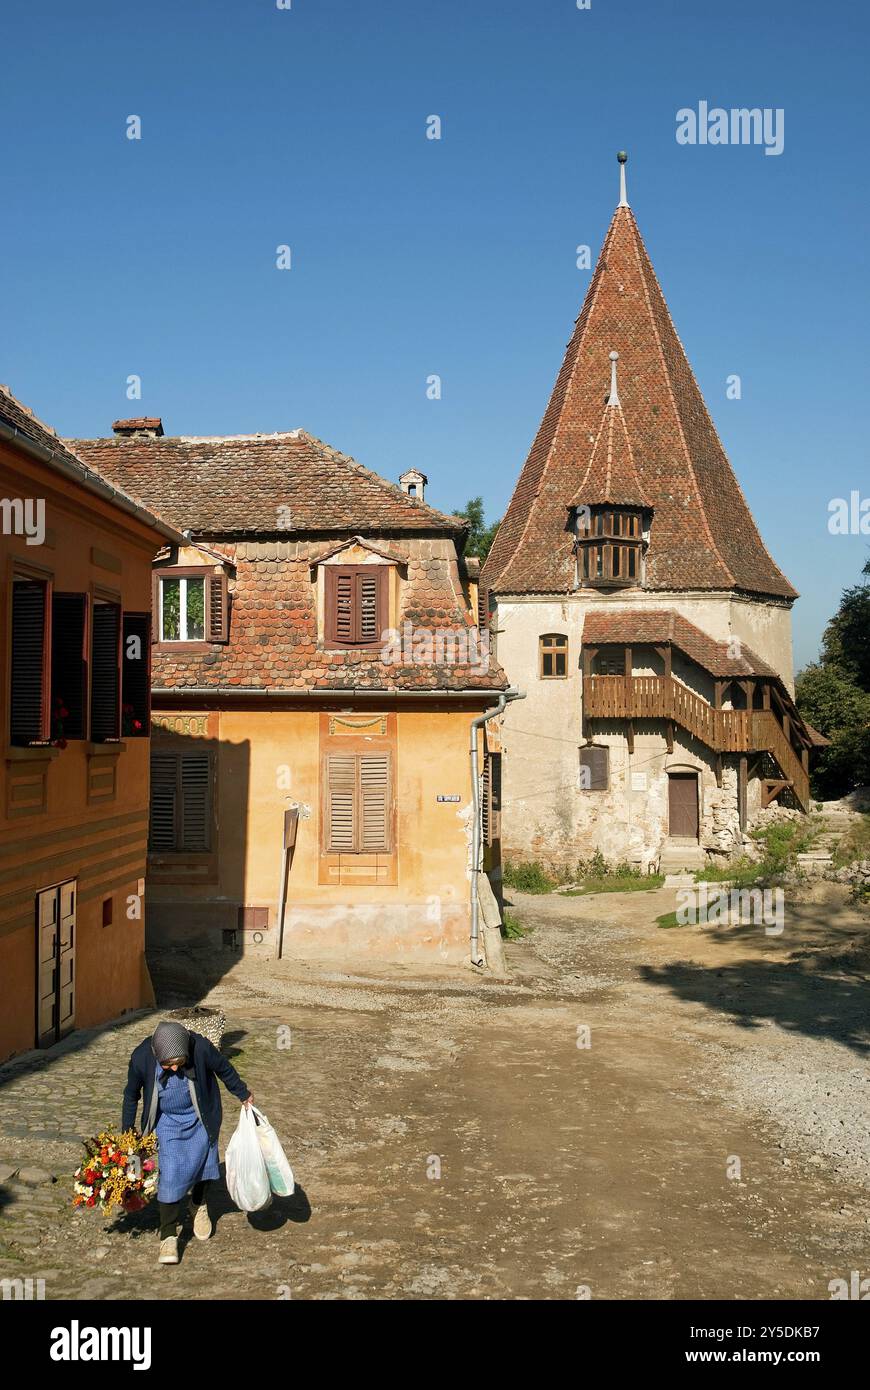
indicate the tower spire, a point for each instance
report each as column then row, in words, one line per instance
column 623, row 160
column 613, row 398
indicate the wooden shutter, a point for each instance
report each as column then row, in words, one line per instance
column 69, row 669
column 597, row 761
column 368, row 592
column 216, row 608
column 195, row 801
column 164, row 801
column 341, row 819
column 28, row 702
column 105, row 672
column 374, row 801
column 136, row 676
column 356, row 604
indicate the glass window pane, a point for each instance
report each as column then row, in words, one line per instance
column 195, row 610
column 171, row 592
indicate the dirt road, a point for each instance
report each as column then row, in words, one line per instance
column 456, row 1137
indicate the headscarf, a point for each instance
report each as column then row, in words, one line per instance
column 170, row 1040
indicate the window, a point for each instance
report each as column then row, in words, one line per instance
column 136, row 676
column 105, row 671
column 181, row 802
column 29, row 682
column 191, row 606
column 69, row 666
column 553, row 663
column 610, row 547
column 610, row 661
column 358, row 798
column 594, row 768
column 356, row 604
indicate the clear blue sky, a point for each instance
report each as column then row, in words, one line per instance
column 306, row 126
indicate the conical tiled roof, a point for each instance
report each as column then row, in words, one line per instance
column 703, row 535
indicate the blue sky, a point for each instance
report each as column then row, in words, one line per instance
column 306, row 127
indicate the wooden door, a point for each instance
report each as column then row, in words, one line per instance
column 683, row 805
column 55, row 962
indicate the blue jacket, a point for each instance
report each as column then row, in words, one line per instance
column 204, row 1064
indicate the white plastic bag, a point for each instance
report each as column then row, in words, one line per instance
column 280, row 1173
column 247, row 1178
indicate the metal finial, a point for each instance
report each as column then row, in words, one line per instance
column 613, row 398
column 623, row 160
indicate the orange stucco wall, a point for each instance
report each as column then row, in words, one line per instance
column 52, row 825
column 271, row 759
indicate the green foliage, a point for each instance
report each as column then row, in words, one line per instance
column 834, row 695
column 528, row 878
column 511, row 929
column 480, row 536
column 855, row 844
column 615, row 882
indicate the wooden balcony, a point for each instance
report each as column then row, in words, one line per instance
column 722, row 730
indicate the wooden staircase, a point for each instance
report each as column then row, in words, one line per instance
column 723, row 730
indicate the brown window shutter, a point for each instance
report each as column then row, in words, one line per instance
column 162, row 834
column 217, row 608
column 368, row 593
column 105, row 672
column 29, row 694
column 486, row 800
column 344, row 607
column 195, row 801
column 374, row 778
column 341, row 817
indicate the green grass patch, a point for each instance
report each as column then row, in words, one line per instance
column 512, row 930
column 616, row 883
column 855, row 844
column 529, row 878
column 669, row 919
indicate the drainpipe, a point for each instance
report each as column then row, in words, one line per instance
column 504, row 698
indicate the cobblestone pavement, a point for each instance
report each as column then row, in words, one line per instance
column 450, row 1139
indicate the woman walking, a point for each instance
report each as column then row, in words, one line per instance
column 174, row 1072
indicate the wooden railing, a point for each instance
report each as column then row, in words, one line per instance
column 661, row 697
column 723, row 730
column 767, row 733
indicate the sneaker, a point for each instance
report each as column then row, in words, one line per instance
column 168, row 1251
column 202, row 1227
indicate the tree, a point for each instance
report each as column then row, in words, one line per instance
column 480, row 536
column 833, row 694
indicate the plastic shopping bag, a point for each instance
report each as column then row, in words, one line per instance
column 280, row 1173
column 247, row 1178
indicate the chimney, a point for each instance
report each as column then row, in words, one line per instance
column 142, row 427
column 413, row 483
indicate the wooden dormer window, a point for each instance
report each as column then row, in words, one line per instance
column 356, row 599
column 610, row 546
column 191, row 606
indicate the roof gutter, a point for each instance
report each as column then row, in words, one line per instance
column 504, row 699
column 205, row 692
column 88, row 480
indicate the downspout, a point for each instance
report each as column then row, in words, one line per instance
column 504, row 698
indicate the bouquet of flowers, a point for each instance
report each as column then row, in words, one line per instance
column 119, row 1170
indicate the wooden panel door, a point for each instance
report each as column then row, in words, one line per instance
column 683, row 805
column 55, row 968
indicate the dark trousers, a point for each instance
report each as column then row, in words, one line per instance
column 170, row 1212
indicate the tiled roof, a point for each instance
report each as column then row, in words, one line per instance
column 703, row 534
column 610, row 474
column 273, row 631
column 19, row 417
column 270, row 484
column 658, row 627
